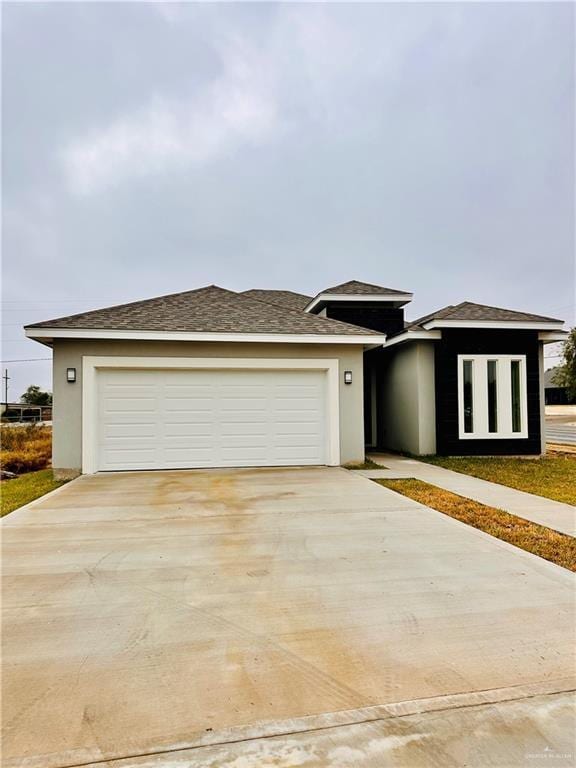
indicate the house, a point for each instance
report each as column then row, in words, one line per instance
column 554, row 394
column 214, row 378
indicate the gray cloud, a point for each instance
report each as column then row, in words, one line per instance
column 151, row 148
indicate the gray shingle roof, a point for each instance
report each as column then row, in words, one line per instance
column 205, row 310
column 286, row 298
column 354, row 287
column 470, row 311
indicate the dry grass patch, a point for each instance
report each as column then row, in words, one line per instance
column 552, row 476
column 544, row 542
column 26, row 448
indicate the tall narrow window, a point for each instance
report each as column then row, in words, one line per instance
column 468, row 395
column 492, row 396
column 515, row 380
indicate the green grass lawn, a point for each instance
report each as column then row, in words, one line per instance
column 16, row 493
column 552, row 476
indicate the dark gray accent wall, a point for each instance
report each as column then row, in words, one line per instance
column 377, row 316
column 483, row 342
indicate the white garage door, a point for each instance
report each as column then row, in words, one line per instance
column 168, row 419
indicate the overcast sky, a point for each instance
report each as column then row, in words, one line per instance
column 151, row 148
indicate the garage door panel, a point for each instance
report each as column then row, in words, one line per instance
column 189, row 404
column 247, row 441
column 295, row 441
column 286, row 415
column 130, row 441
column 298, row 455
column 305, row 405
column 205, row 389
column 244, row 417
column 243, row 390
column 297, row 428
column 132, row 457
column 242, row 428
column 188, row 444
column 189, row 417
column 178, row 455
column 136, row 430
column 188, row 430
column 244, row 453
column 202, row 418
column 135, row 405
column 243, row 404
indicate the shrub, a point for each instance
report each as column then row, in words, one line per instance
column 24, row 449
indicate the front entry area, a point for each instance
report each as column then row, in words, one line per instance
column 178, row 419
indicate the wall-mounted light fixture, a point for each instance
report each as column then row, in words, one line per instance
column 71, row 375
column 347, row 377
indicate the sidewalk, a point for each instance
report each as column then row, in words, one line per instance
column 552, row 514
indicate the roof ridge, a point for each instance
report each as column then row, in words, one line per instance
column 322, row 320
column 505, row 309
column 452, row 311
column 273, row 290
column 363, row 283
column 131, row 304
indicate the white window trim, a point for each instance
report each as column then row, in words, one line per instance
column 91, row 365
column 504, row 398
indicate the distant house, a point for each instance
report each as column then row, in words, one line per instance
column 554, row 394
column 24, row 412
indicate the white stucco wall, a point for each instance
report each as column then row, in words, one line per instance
column 67, row 408
column 408, row 399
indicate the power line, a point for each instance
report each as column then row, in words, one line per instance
column 26, row 360
column 53, row 301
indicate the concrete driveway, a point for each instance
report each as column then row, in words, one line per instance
column 275, row 617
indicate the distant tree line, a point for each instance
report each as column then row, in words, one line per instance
column 35, row 396
column 565, row 374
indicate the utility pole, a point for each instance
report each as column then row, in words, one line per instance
column 6, row 379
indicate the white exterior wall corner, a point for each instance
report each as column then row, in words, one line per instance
column 67, row 409
column 408, row 399
column 426, row 398
column 399, row 400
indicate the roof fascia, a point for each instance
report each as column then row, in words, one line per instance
column 528, row 325
column 407, row 336
column 46, row 334
column 548, row 337
column 400, row 299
